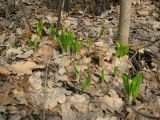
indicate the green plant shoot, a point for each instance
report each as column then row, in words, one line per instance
column 86, row 81
column 135, row 85
column 132, row 85
column 101, row 33
column 66, row 40
column 67, row 43
column 52, row 31
column 40, row 28
column 115, row 71
column 121, row 49
column 126, row 83
column 75, row 47
column 77, row 72
column 35, row 43
column 102, row 74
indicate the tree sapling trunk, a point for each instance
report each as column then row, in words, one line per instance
column 124, row 22
column 60, row 5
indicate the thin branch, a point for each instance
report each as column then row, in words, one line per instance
column 61, row 2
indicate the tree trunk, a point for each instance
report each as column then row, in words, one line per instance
column 124, row 23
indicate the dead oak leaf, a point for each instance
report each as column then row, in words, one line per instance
column 21, row 68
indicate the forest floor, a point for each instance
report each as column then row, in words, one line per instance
column 38, row 83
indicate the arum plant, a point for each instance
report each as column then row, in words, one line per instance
column 40, row 28
column 33, row 43
column 102, row 74
column 86, row 81
column 101, row 33
column 75, row 47
column 52, row 31
column 115, row 71
column 65, row 41
column 121, row 49
column 132, row 85
column 76, row 72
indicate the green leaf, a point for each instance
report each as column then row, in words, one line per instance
column 102, row 74
column 121, row 49
column 77, row 72
column 135, row 85
column 115, row 70
column 35, row 43
column 86, row 81
column 101, row 33
column 65, row 41
column 126, row 83
column 52, row 31
column 75, row 47
column 40, row 28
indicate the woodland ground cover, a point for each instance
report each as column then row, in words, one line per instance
column 44, row 77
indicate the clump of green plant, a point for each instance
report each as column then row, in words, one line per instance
column 75, row 47
column 87, row 80
column 101, row 33
column 132, row 85
column 102, row 74
column 121, row 49
column 115, row 71
column 66, row 40
column 33, row 43
column 39, row 28
column 76, row 72
column 53, row 31
column 67, row 43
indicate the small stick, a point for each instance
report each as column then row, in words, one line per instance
column 59, row 15
column 27, row 21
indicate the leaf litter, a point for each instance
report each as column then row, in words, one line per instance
column 100, row 101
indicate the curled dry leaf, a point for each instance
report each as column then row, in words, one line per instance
column 21, row 68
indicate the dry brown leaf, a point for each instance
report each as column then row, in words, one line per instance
column 21, row 68
column 53, row 97
column 80, row 103
column 4, row 71
column 43, row 53
column 111, row 103
column 67, row 112
column 4, row 91
column 107, row 118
